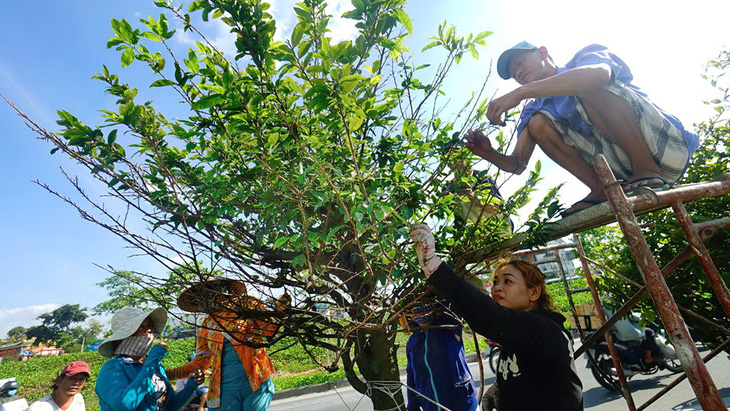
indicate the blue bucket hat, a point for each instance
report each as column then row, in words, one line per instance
column 504, row 59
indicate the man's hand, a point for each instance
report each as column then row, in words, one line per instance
column 501, row 105
column 478, row 143
column 425, row 248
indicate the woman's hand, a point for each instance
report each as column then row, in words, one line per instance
column 425, row 248
column 197, row 376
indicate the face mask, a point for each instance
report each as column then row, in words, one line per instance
column 135, row 347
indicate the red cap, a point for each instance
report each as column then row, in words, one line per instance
column 77, row 367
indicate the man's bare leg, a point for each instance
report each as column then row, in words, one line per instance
column 615, row 117
column 543, row 131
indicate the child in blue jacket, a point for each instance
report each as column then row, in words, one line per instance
column 437, row 366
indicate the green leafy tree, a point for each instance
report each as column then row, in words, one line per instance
column 16, row 333
column 57, row 322
column 297, row 168
column 690, row 287
column 144, row 291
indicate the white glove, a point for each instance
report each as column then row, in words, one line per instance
column 425, row 248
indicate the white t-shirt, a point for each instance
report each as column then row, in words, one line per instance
column 47, row 404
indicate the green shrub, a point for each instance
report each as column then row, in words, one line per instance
column 557, row 291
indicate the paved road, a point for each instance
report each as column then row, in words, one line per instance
column 595, row 397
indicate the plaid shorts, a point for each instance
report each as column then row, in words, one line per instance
column 666, row 142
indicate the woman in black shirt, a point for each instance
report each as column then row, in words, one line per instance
column 536, row 368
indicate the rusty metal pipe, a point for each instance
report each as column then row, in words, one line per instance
column 699, row 377
column 709, row 267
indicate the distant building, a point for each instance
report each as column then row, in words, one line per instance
column 14, row 350
column 43, row 351
column 547, row 261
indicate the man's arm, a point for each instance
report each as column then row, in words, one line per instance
column 571, row 82
column 515, row 162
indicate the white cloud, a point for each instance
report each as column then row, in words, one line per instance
column 215, row 31
column 23, row 98
column 23, row 316
column 283, row 13
column 341, row 29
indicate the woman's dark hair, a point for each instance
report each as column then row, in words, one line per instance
column 533, row 278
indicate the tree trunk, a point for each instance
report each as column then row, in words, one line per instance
column 376, row 357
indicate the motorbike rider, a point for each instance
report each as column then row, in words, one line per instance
column 627, row 331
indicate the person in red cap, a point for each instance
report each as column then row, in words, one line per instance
column 66, row 393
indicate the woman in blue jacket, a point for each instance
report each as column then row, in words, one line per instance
column 134, row 378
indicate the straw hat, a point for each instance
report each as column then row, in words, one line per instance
column 126, row 322
column 199, row 296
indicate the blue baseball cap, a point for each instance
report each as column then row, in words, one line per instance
column 504, row 59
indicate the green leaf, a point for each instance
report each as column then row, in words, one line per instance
column 431, row 45
column 111, row 137
column 149, row 35
column 398, row 168
column 123, row 30
column 162, row 83
column 404, row 19
column 354, row 122
column 127, row 57
column 473, row 51
column 208, row 101
column 332, row 232
column 297, row 33
column 113, row 42
column 163, row 23
column 280, row 241
column 299, row 261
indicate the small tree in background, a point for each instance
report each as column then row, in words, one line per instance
column 144, row 291
column 78, row 338
column 298, row 169
column 16, row 333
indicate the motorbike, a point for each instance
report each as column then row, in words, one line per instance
column 492, row 356
column 9, row 400
column 631, row 355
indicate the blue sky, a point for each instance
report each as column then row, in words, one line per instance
column 49, row 51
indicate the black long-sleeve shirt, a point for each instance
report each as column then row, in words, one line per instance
column 536, row 368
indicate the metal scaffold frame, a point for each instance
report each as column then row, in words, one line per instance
column 622, row 209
